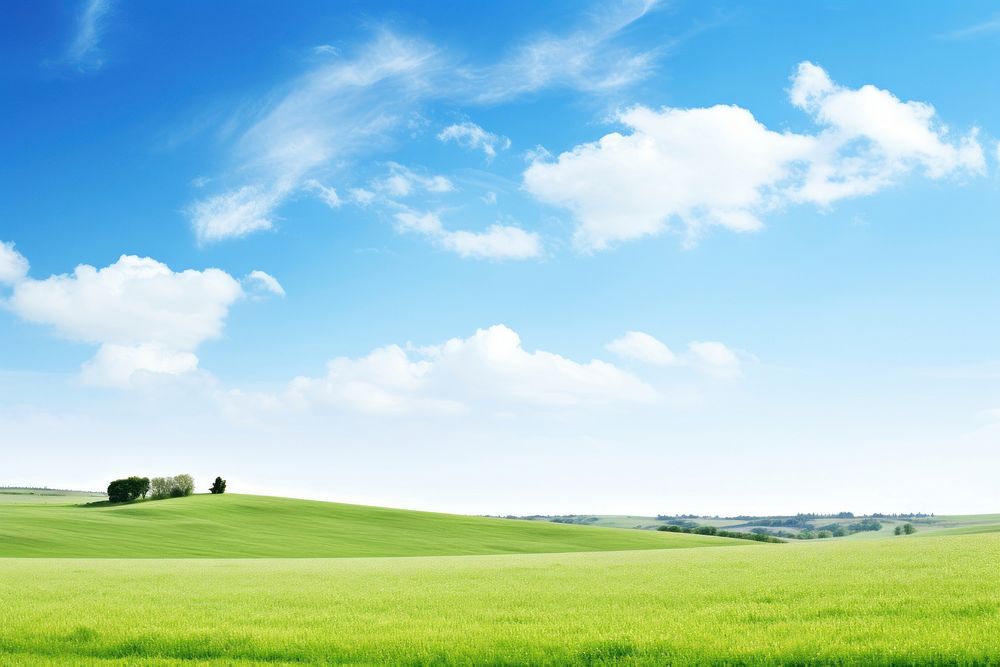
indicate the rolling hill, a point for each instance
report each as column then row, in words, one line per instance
column 243, row 526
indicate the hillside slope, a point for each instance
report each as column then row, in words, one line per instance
column 238, row 526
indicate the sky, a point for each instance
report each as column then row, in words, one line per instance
column 625, row 257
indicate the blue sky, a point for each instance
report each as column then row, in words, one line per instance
column 531, row 257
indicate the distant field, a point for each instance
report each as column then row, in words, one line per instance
column 238, row 526
column 912, row 600
column 10, row 496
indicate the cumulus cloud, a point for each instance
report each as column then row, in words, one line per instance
column 870, row 138
column 146, row 318
column 471, row 136
column 13, row 265
column 642, row 347
column 502, row 242
column 701, row 166
column 719, row 166
column 489, row 368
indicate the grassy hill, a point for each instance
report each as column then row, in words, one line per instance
column 239, row 526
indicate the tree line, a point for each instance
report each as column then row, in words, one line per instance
column 130, row 489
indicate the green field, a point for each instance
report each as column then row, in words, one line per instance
column 11, row 496
column 928, row 598
column 237, row 526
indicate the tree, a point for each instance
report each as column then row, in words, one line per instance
column 184, row 483
column 219, row 486
column 138, row 487
column 172, row 487
column 898, row 530
column 909, row 529
column 160, row 487
column 127, row 490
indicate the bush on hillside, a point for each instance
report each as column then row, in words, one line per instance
column 909, row 529
column 128, row 489
column 172, row 487
column 218, row 486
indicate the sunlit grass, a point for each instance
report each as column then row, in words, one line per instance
column 899, row 601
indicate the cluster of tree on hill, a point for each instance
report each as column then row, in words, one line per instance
column 905, row 529
column 712, row 530
column 134, row 488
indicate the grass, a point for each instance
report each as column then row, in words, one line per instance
column 929, row 598
column 239, row 526
column 913, row 600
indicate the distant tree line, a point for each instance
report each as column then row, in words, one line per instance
column 712, row 530
column 133, row 488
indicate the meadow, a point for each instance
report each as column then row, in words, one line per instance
column 242, row 526
column 929, row 598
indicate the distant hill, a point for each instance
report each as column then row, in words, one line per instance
column 36, row 496
column 240, row 526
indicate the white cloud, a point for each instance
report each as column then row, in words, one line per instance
column 642, row 347
column 715, row 358
column 988, row 27
column 264, row 282
column 488, row 370
column 702, row 166
column 473, row 137
column 870, row 138
column 707, row 357
column 337, row 110
column 587, row 59
column 326, row 194
column 13, row 265
column 121, row 365
column 144, row 316
column 402, row 182
column 362, row 197
column 354, row 105
column 502, row 242
column 719, row 166
column 235, row 213
column 84, row 51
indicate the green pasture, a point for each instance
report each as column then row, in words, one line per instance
column 907, row 601
column 239, row 526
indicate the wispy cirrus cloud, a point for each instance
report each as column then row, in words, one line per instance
column 353, row 105
column 473, row 137
column 84, row 51
column 990, row 26
column 589, row 58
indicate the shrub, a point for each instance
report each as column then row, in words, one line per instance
column 218, row 486
column 909, row 529
column 172, row 487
